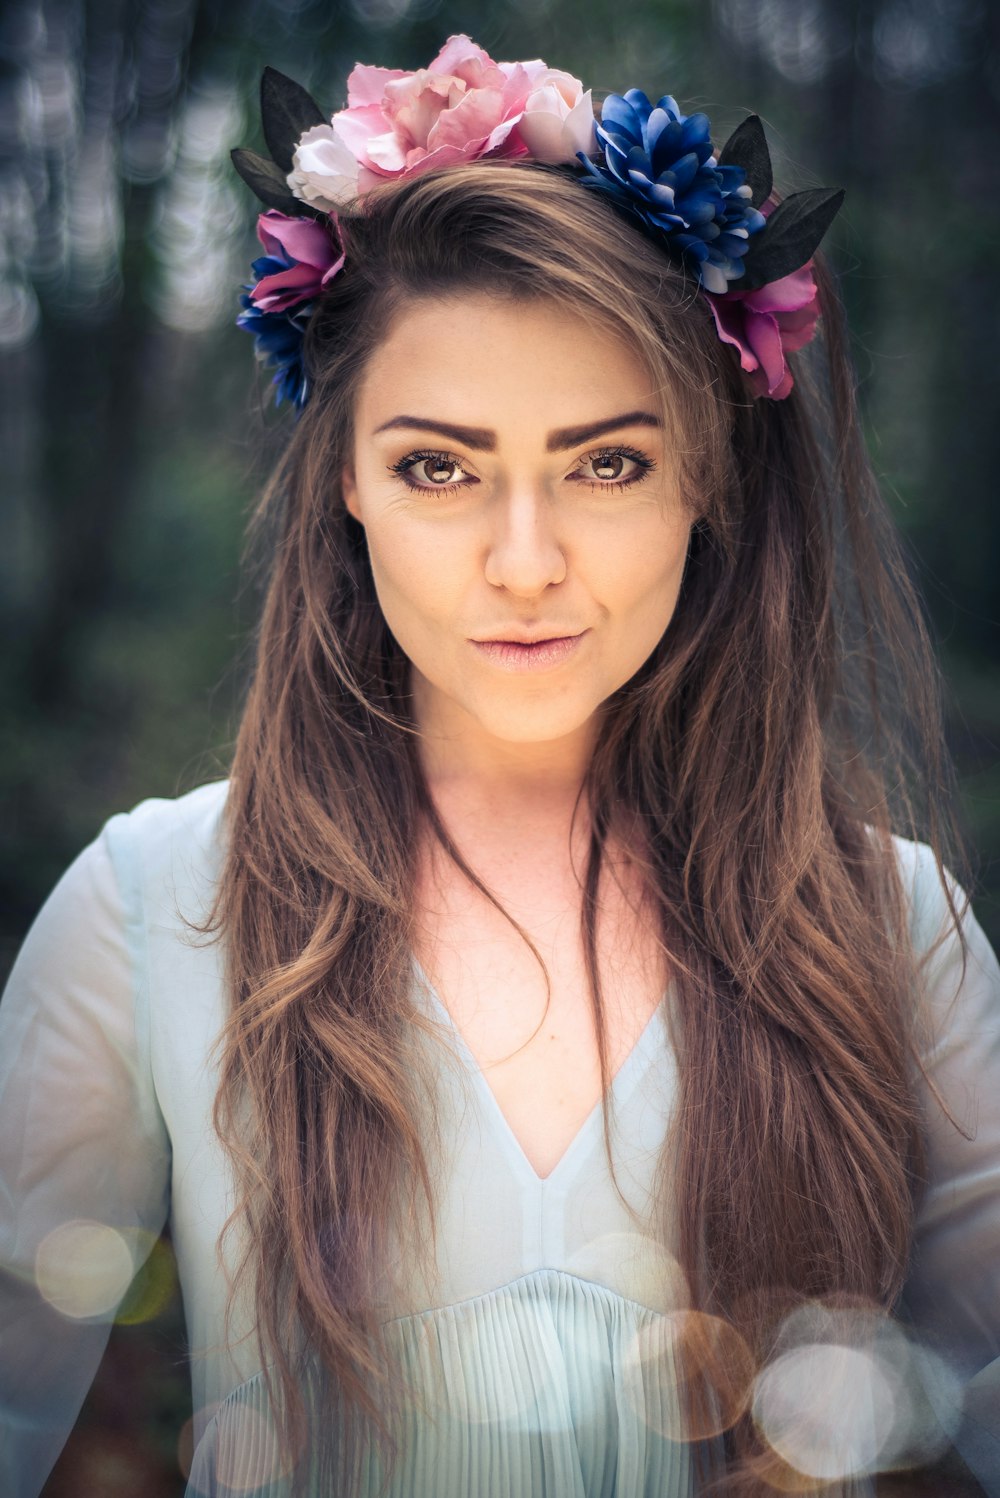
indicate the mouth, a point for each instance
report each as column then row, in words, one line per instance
column 530, row 654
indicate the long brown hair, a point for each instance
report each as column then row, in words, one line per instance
column 786, row 724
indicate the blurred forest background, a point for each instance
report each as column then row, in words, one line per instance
column 135, row 430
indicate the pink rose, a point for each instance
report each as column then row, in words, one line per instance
column 463, row 106
column 768, row 323
column 309, row 253
column 558, row 118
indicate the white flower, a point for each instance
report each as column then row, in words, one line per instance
column 553, row 127
column 324, row 170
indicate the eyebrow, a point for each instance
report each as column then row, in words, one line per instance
column 481, row 439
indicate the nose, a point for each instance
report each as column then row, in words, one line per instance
column 524, row 554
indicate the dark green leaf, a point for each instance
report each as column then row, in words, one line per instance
column 747, row 147
column 287, row 111
column 266, row 180
column 793, row 232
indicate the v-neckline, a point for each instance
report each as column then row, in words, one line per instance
column 622, row 1084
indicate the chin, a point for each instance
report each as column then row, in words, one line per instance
column 528, row 723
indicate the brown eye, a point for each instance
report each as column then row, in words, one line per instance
column 614, row 469
column 608, row 466
column 438, row 470
column 432, row 470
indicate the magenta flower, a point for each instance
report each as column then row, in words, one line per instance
column 767, row 324
column 302, row 255
column 463, row 106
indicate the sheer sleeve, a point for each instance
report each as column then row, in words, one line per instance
column 84, row 1155
column 953, row 1291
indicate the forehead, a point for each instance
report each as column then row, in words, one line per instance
column 486, row 360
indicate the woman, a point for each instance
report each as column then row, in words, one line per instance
column 588, row 1078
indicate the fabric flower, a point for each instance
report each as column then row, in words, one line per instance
column 558, row 120
column 767, row 324
column 659, row 164
column 279, row 338
column 461, row 107
column 302, row 257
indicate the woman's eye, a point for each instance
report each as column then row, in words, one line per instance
column 618, row 466
column 609, row 466
column 431, row 471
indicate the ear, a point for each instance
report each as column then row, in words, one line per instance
column 349, row 490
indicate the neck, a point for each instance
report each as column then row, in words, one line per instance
column 463, row 761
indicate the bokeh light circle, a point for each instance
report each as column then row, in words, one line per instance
column 83, row 1268
column 155, row 1283
column 825, row 1409
column 670, row 1353
column 635, row 1265
column 247, row 1451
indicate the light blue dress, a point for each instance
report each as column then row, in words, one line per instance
column 541, row 1338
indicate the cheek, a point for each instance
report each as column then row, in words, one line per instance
column 642, row 568
column 416, row 572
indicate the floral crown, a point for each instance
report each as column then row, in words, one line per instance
column 714, row 214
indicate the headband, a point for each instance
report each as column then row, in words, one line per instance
column 713, row 214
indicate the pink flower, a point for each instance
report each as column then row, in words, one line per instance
column 463, row 106
column 302, row 255
column 767, row 324
column 558, row 118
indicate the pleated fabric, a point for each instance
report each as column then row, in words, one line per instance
column 549, row 1387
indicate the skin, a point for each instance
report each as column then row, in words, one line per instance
column 518, row 536
column 529, row 529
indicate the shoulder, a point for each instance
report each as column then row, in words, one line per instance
column 959, row 987
column 163, row 822
column 170, row 849
column 921, row 879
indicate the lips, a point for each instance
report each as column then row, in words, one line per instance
column 538, row 654
column 536, row 638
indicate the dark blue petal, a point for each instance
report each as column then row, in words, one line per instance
column 733, row 247
column 270, row 265
column 622, row 140
column 618, row 114
column 693, row 246
column 639, row 102
column 695, row 131
column 666, row 145
column 670, row 223
column 684, row 171
column 669, row 105
column 662, row 194
column 278, row 338
column 730, row 177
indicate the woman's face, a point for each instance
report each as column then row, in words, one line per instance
column 515, row 482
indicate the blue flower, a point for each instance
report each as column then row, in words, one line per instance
column 279, row 337
column 660, row 166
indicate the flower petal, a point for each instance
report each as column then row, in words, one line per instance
column 764, row 338
column 712, row 277
column 366, row 85
column 729, row 323
column 458, row 50
column 303, row 239
column 324, row 168
column 479, row 112
column 387, row 152
column 790, row 293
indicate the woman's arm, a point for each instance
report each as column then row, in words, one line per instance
column 84, row 1156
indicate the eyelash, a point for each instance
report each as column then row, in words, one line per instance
column 644, row 464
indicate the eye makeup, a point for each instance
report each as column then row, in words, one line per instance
column 613, row 459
